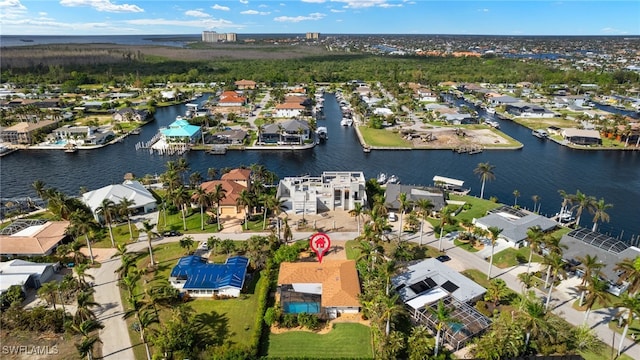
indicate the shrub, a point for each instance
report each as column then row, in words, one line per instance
column 289, row 321
column 310, row 321
column 270, row 316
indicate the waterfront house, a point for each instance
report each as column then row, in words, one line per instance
column 22, row 132
column 32, row 237
column 424, row 284
column 289, row 110
column 582, row 136
column 522, row 109
column 129, row 114
column 199, row 278
column 233, row 182
column 328, row 289
column 503, row 100
column 331, row 191
column 26, row 274
column 82, row 135
column 514, row 224
column 289, row 132
column 180, row 131
column 231, row 98
column 143, row 200
column 414, row 193
column 232, row 136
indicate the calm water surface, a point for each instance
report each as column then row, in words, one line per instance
column 540, row 168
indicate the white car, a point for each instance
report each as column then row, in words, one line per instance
column 393, row 216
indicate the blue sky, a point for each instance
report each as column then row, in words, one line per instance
column 115, row 17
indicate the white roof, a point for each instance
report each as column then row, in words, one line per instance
column 427, row 298
column 131, row 190
column 18, row 266
column 8, row 280
column 446, row 180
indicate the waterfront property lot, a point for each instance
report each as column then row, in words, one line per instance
column 382, row 138
column 512, row 257
column 543, row 123
column 343, row 341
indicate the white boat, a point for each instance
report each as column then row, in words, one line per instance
column 491, row 110
column 382, row 178
column 346, row 122
column 565, row 217
column 539, row 133
column 393, row 180
column 322, row 133
column 70, row 148
column 493, row 124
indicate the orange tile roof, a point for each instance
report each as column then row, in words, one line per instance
column 295, row 99
column 231, row 96
column 233, row 190
column 290, row 105
column 237, row 174
column 339, row 279
column 37, row 243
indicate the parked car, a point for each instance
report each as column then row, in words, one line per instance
column 171, row 233
column 443, row 258
column 393, row 216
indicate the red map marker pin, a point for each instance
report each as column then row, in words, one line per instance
column 320, row 244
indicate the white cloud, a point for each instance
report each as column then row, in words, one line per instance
column 220, row 7
column 254, row 12
column 358, row 4
column 295, row 19
column 209, row 23
column 613, row 31
column 11, row 9
column 483, row 10
column 42, row 13
column 390, row 5
column 197, row 13
column 102, row 5
column 337, row 11
column 244, row 1
column 314, row 1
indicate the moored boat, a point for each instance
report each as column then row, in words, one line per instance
column 382, row 178
column 70, row 148
column 539, row 133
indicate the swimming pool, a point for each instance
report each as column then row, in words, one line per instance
column 302, row 307
column 456, row 327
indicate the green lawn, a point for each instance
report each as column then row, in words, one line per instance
column 477, row 207
column 464, row 245
column 380, row 137
column 343, row 341
column 175, row 222
column 512, row 257
column 350, row 248
column 120, row 236
column 477, row 276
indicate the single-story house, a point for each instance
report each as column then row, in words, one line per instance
column 143, row 200
column 581, row 242
column 32, row 237
column 424, row 284
column 293, row 132
column 82, row 135
column 582, row 136
column 199, row 278
column 27, row 274
column 129, row 114
column 414, row 193
column 382, row 111
column 232, row 136
column 459, row 118
column 528, row 110
column 329, row 289
column 514, row 224
column 503, row 100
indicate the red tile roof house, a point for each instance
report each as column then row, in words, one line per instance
column 231, row 98
column 245, row 84
column 293, row 106
column 233, row 183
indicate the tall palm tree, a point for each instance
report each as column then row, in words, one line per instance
column 536, row 200
column 494, row 232
column 402, row 207
column 516, row 195
column 124, row 209
column 598, row 209
column 630, row 306
column 39, row 187
column 107, row 209
column 212, row 173
column 630, row 272
column 48, row 291
column 566, row 201
column 357, row 211
column 82, row 223
column 83, row 311
column 535, row 238
column 187, row 243
column 425, row 205
column 443, row 317
column 590, row 267
column 419, row 343
column 245, row 200
column 533, row 319
column 202, row 199
column 180, row 199
column 445, row 218
column 556, row 267
column 391, row 308
column 581, row 202
column 217, row 195
column 149, row 230
column 485, row 172
column 88, row 341
column 81, row 271
column 596, row 290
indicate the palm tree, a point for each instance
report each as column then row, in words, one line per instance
column 124, row 209
column 596, row 290
column 445, row 218
column 496, row 291
column 148, row 229
column 83, row 311
column 536, row 200
column 82, row 223
column 556, row 267
column 630, row 306
column 391, row 308
column 85, row 329
column 108, row 210
column 419, row 343
column 212, row 173
column 81, row 271
column 566, row 201
column 212, row 243
column 217, row 195
column 245, row 200
column 228, row 246
column 187, row 243
column 180, row 200
column 598, row 209
column 443, row 318
column 425, row 205
column 357, row 211
column 630, row 272
column 39, row 186
column 48, row 291
column 535, row 237
column 494, row 232
column 516, row 195
column 532, row 318
column 582, row 202
column 590, row 267
column 202, row 200
column 485, row 172
column 403, row 204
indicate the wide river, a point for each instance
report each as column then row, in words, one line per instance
column 540, row 168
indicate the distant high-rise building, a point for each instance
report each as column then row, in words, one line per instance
column 313, row 36
column 214, row 37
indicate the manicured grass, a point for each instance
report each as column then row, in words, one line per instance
column 477, row 207
column 343, row 341
column 512, row 257
column 604, row 353
column 175, row 222
column 380, row 137
column 350, row 248
column 120, row 236
column 543, row 123
column 477, row 276
column 464, row 245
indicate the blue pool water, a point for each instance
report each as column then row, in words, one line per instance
column 61, row 142
column 455, row 327
column 302, row 307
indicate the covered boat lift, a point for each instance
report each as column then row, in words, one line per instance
column 449, row 184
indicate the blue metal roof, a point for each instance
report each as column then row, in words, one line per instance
column 181, row 128
column 200, row 274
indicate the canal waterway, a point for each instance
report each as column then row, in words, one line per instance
column 539, row 168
